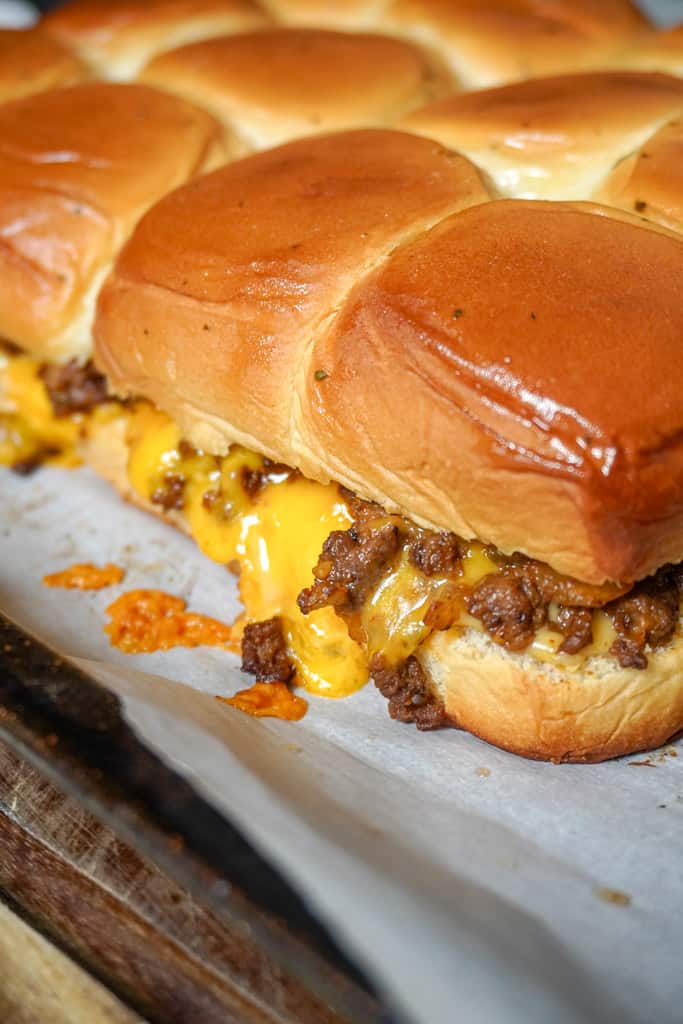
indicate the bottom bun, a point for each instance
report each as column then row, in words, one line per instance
column 513, row 701
column 549, row 713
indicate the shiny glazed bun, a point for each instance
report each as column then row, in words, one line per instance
column 654, row 51
column 278, row 84
column 337, row 14
column 256, row 258
column 510, row 374
column 30, row 61
column 117, row 37
column 556, row 138
column 649, row 181
column 507, row 40
column 78, row 166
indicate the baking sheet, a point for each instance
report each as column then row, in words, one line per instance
column 476, row 886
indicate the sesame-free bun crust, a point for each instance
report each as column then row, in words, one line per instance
column 117, row 37
column 660, row 50
column 278, row 84
column 511, row 374
column 650, row 180
column 587, row 713
column 549, row 713
column 78, row 166
column 556, row 138
column 31, row 61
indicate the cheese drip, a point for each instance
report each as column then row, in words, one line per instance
column 30, row 430
column 277, row 535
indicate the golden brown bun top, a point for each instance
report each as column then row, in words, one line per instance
column 78, row 166
column 276, row 84
column 484, row 43
column 117, row 37
column 338, row 14
column 30, row 61
column 654, row 51
column 650, row 181
column 553, row 138
column 497, row 41
column 512, row 374
column 272, row 244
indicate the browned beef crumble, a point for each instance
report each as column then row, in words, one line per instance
column 264, row 651
column 27, row 466
column 254, row 480
column 408, row 692
column 576, row 625
column 435, row 554
column 647, row 615
column 553, row 587
column 350, row 566
column 72, row 387
column 171, row 494
column 510, row 608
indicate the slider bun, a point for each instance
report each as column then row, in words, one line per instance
column 30, row 61
column 555, row 138
column 512, row 374
column 654, row 51
column 506, row 40
column 78, row 166
column 337, row 14
column 512, row 700
column 486, row 43
column 650, row 180
column 117, row 37
column 277, row 84
column 225, row 286
column 553, row 714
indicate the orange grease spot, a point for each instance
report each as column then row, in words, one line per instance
column 85, row 576
column 268, row 700
column 143, row 621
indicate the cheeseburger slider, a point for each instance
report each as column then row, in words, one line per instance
column 78, row 167
column 438, row 433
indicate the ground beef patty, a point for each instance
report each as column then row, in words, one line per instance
column 511, row 604
column 73, row 388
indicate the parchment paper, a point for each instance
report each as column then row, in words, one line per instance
column 469, row 881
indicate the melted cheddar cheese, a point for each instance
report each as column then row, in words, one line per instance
column 85, row 576
column 142, row 621
column 268, row 700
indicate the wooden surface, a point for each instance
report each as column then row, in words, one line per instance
column 40, row 985
column 127, row 922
